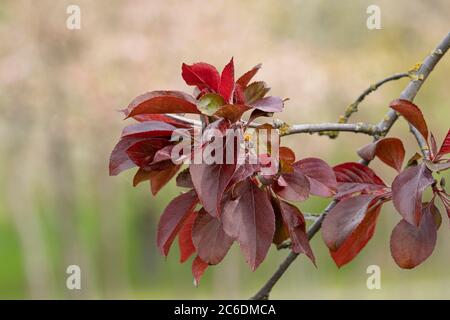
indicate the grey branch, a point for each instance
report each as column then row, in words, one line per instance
column 323, row 128
column 304, row 128
column 353, row 107
column 409, row 93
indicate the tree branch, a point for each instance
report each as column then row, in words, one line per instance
column 409, row 93
column 323, row 128
column 353, row 107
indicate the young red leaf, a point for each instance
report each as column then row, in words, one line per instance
column 358, row 239
column 247, row 77
column 292, row 186
column 227, row 81
column 256, row 114
column 250, row 220
column 210, row 182
column 143, row 152
column 185, row 243
column 141, row 176
column 445, row 147
column 161, row 118
column 202, row 75
column 287, row 158
column 119, row 160
column 148, row 129
column 173, row 218
column 232, row 112
column 159, row 178
column 388, row 150
column 410, row 244
column 353, row 177
column 210, row 103
column 269, row 104
column 412, row 114
column 255, row 91
column 296, row 227
column 407, row 190
column 156, row 102
column 211, row 242
column 184, row 179
column 198, row 269
column 322, row 180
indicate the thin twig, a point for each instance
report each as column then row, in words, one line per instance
column 353, row 107
column 384, row 126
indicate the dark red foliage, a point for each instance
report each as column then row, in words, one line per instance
column 410, row 244
column 388, row 150
column 235, row 202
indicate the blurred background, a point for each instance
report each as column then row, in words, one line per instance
column 59, row 92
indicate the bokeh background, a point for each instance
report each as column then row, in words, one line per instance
column 59, row 92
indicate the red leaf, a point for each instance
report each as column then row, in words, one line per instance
column 412, row 114
column 296, row 226
column 281, row 232
column 349, row 226
column 250, row 219
column 198, row 269
column 202, row 75
column 159, row 178
column 389, row 150
column 255, row 91
column 242, row 172
column 184, row 179
column 407, row 190
column 162, row 102
column 161, row 118
column 353, row 177
column 211, row 241
column 238, row 94
column 141, row 176
column 143, row 152
column 343, row 219
column 287, row 158
column 119, row 160
column 322, row 180
column 232, row 112
column 247, row 77
column 445, row 147
column 185, row 243
column 269, row 104
column 292, row 186
column 411, row 245
column 210, row 182
column 173, row 218
column 227, row 81
column 148, row 129
column 358, row 240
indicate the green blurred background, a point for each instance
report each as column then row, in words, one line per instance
column 59, row 92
